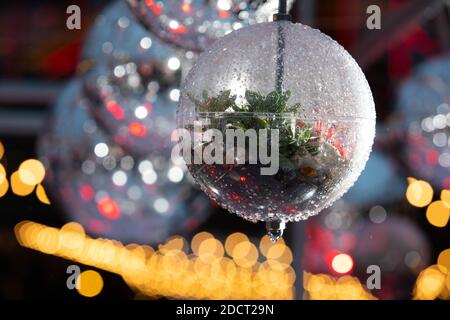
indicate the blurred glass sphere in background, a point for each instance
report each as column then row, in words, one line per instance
column 399, row 247
column 196, row 24
column 381, row 237
column 324, row 112
column 124, row 96
column 132, row 75
column 424, row 103
column 380, row 182
column 115, row 34
column 109, row 191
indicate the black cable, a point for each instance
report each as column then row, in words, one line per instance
column 282, row 15
column 282, row 7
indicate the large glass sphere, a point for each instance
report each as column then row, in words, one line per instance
column 424, row 105
column 195, row 24
column 109, row 191
column 292, row 78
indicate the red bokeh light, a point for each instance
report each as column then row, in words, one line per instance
column 432, row 157
column 186, row 7
column 137, row 129
column 109, row 208
column 87, row 193
column 223, row 13
column 179, row 29
column 114, row 108
column 152, row 5
column 235, row 196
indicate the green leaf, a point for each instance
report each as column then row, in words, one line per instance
column 293, row 142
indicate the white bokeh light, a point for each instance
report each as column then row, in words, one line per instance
column 119, row 178
column 174, row 63
column 101, row 150
column 141, row 112
column 175, row 174
column 161, row 205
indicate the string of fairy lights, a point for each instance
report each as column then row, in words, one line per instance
column 210, row 270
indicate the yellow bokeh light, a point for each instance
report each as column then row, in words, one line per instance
column 325, row 287
column 31, row 172
column 18, row 187
column 48, row 240
column 2, row 174
column 42, row 195
column 241, row 250
column 168, row 271
column 198, row 239
column 444, row 261
column 210, row 250
column 90, row 283
column 265, row 244
column 173, row 243
column 74, row 227
column 232, row 240
column 2, row 150
column 245, row 254
column 445, row 197
column 419, row 193
column 4, row 187
column 438, row 214
column 429, row 284
column 410, row 180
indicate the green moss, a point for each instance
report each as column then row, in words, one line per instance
column 264, row 113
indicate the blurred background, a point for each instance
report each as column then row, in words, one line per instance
column 395, row 217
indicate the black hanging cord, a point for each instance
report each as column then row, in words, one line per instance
column 282, row 15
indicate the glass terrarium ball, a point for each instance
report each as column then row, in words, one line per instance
column 195, row 24
column 109, row 191
column 287, row 77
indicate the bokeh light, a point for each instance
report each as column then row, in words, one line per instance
column 2, row 174
column 444, row 261
column 4, row 185
column 325, row 287
column 445, row 197
column 233, row 240
column 438, row 214
column 41, row 194
column 2, row 150
column 419, row 193
column 342, row 263
column 170, row 271
column 31, row 172
column 18, row 187
column 429, row 284
column 90, row 283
